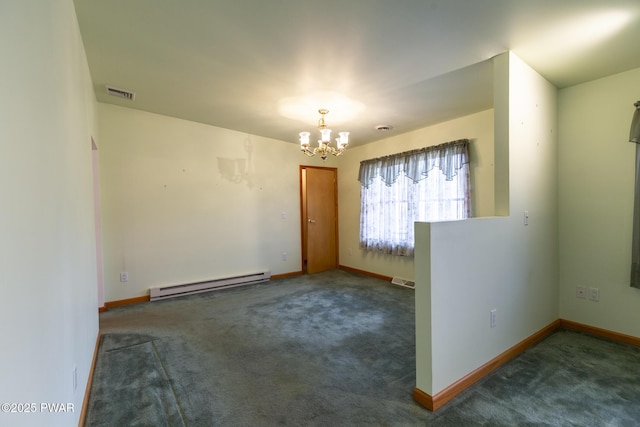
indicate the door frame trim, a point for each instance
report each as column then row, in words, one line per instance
column 303, row 215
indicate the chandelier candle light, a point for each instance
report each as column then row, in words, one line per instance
column 323, row 148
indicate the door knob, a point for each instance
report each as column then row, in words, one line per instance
column 311, row 221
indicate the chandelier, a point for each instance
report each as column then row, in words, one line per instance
column 323, row 148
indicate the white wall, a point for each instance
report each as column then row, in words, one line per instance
column 174, row 213
column 476, row 127
column 48, row 315
column 464, row 269
column 597, row 167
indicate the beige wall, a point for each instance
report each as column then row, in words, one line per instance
column 170, row 215
column 597, row 167
column 465, row 269
column 178, row 208
column 48, row 307
column 476, row 127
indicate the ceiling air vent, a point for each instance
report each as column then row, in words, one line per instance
column 121, row 93
column 384, row 128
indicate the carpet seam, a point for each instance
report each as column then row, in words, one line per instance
column 126, row 347
column 166, row 375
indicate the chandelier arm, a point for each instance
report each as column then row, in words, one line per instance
column 308, row 152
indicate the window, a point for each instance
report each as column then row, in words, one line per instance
column 429, row 184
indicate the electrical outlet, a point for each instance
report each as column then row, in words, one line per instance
column 493, row 318
column 124, row 276
column 581, row 292
column 594, row 294
column 284, row 256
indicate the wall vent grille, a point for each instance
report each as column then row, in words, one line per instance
column 403, row 282
column 121, row 93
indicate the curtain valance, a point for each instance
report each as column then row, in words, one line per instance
column 416, row 164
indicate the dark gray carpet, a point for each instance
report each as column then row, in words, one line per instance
column 332, row 349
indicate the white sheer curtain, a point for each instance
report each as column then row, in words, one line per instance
column 430, row 184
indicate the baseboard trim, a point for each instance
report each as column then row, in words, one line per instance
column 121, row 302
column 87, row 391
column 423, row 399
column 366, row 273
column 439, row 399
column 147, row 298
column 285, row 275
column 603, row 333
column 432, row 403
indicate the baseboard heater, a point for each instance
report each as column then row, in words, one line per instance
column 171, row 291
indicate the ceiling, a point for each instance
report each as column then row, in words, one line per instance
column 266, row 67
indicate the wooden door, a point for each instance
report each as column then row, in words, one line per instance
column 320, row 219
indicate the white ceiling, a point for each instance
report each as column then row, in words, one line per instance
column 405, row 63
